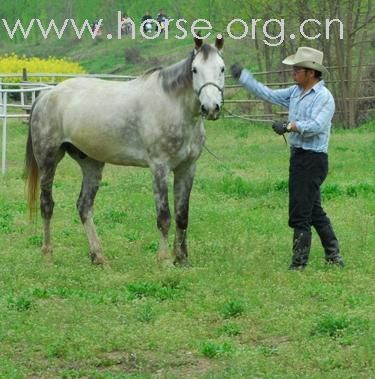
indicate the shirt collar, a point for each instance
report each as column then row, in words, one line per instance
column 316, row 88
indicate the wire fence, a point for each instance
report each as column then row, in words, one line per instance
column 17, row 97
column 247, row 107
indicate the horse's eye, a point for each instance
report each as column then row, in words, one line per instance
column 222, row 69
column 194, row 70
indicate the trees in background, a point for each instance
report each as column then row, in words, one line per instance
column 347, row 55
column 348, row 44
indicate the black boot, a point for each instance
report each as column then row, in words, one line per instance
column 331, row 245
column 301, row 249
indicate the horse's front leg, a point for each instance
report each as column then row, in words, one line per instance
column 163, row 214
column 183, row 183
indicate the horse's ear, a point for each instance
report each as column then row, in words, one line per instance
column 198, row 41
column 219, row 43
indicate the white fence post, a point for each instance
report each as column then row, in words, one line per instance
column 22, row 96
column 1, row 98
column 4, row 141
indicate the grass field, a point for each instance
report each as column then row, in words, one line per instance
column 236, row 313
column 126, row 56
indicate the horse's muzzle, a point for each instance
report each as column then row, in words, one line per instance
column 210, row 113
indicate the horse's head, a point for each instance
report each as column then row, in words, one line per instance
column 208, row 77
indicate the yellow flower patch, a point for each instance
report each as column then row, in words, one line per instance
column 12, row 63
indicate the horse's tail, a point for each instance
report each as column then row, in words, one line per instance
column 31, row 171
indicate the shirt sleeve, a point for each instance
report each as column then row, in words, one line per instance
column 278, row 97
column 321, row 116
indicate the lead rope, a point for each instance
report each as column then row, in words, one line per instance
column 250, row 119
column 224, row 162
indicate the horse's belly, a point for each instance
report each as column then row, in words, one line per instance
column 109, row 148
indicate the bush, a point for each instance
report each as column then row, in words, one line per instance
column 132, row 55
column 232, row 308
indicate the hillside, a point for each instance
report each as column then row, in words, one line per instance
column 125, row 56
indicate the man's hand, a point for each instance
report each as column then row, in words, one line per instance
column 236, row 70
column 280, row 127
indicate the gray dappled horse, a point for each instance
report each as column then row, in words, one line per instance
column 153, row 121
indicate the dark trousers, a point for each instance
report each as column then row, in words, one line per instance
column 307, row 171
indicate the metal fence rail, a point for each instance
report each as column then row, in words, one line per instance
column 44, row 81
column 53, row 76
column 5, row 108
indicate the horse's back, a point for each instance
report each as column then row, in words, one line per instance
column 99, row 117
column 89, row 89
column 129, row 123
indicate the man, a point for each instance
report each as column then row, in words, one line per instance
column 162, row 19
column 126, row 24
column 147, row 20
column 311, row 108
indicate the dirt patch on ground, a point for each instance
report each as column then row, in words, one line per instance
column 182, row 364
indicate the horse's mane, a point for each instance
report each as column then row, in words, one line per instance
column 179, row 76
column 151, row 71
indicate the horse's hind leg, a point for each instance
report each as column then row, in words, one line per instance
column 47, row 167
column 92, row 175
column 183, row 182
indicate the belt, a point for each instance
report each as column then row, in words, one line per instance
column 299, row 150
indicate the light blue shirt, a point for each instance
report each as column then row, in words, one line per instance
column 312, row 111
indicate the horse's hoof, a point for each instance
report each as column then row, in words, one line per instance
column 182, row 262
column 47, row 250
column 165, row 262
column 164, row 259
column 98, row 259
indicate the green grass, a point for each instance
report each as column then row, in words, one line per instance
column 236, row 313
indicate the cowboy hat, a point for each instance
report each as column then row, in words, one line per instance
column 307, row 57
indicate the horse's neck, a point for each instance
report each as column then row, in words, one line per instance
column 189, row 101
column 177, row 83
